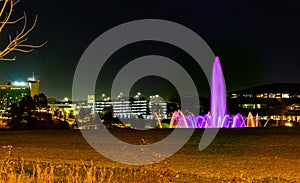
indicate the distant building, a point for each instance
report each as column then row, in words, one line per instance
column 91, row 102
column 34, row 87
column 90, row 99
column 159, row 106
column 135, row 107
column 63, row 110
column 124, row 108
column 279, row 101
column 12, row 93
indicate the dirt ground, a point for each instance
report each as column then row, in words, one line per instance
column 238, row 155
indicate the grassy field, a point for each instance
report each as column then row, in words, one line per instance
column 236, row 155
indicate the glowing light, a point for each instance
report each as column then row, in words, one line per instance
column 288, row 124
column 285, row 95
column 17, row 83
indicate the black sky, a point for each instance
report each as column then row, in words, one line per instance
column 257, row 41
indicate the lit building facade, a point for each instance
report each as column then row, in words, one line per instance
column 34, row 87
column 63, row 110
column 159, row 106
column 124, row 108
column 278, row 101
column 136, row 107
column 12, row 93
column 91, row 102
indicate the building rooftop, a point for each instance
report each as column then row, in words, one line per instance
column 293, row 88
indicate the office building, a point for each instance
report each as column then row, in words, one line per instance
column 279, row 101
column 135, row 107
column 12, row 93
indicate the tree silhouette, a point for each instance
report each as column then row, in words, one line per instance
column 41, row 100
column 107, row 114
column 21, row 115
column 18, row 41
column 26, row 115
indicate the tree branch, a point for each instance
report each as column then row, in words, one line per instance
column 17, row 42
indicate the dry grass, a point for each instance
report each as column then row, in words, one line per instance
column 17, row 170
column 251, row 155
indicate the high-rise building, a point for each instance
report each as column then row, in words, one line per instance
column 12, row 93
column 34, row 86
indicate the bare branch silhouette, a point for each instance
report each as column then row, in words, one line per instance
column 18, row 41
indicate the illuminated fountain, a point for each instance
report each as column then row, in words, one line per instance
column 218, row 117
column 191, row 121
column 250, row 120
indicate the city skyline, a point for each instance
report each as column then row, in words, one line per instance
column 257, row 43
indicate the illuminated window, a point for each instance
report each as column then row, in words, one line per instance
column 259, row 95
column 253, row 106
column 295, row 107
column 234, row 95
column 285, row 95
column 248, row 106
column 272, row 95
column 247, row 95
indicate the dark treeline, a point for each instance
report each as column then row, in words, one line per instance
column 33, row 113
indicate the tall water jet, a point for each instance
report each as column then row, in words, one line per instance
column 257, row 121
column 217, row 117
column 250, row 120
column 218, row 95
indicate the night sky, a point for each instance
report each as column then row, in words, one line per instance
column 258, row 42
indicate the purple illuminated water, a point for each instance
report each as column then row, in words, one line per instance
column 218, row 96
column 217, row 118
column 192, row 121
